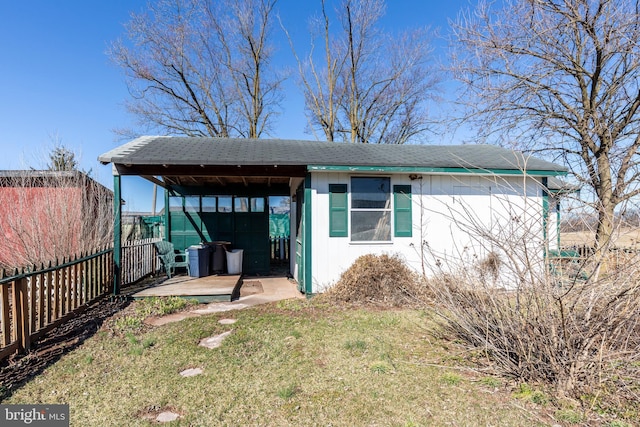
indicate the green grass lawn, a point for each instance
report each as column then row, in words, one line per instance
column 294, row 363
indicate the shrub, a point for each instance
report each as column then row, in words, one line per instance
column 581, row 338
column 379, row 279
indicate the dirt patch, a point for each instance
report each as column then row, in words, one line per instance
column 251, row 287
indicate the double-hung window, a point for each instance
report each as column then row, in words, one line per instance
column 370, row 209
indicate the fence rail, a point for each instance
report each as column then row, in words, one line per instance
column 33, row 302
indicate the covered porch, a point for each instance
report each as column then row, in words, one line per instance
column 212, row 197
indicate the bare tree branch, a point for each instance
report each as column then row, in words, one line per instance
column 369, row 87
column 202, row 67
column 559, row 77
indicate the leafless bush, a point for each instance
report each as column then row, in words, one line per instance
column 381, row 280
column 568, row 321
column 52, row 215
column 574, row 337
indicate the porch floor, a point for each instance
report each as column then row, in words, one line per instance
column 204, row 289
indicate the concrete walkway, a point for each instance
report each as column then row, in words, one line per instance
column 274, row 289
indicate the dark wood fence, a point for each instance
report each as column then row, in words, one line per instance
column 33, row 301
column 279, row 248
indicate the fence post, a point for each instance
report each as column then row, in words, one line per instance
column 5, row 294
column 21, row 314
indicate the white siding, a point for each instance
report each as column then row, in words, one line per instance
column 456, row 217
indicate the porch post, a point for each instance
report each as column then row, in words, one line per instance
column 167, row 219
column 117, row 232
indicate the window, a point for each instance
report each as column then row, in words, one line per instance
column 192, row 203
column 175, row 204
column 208, row 203
column 257, row 204
column 370, row 209
column 241, row 204
column 224, row 204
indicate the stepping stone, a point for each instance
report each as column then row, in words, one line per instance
column 227, row 321
column 167, row 417
column 218, row 307
column 215, row 341
column 191, row 372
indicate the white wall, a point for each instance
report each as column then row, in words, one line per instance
column 460, row 217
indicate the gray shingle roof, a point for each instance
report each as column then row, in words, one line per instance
column 161, row 150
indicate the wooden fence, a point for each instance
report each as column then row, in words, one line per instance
column 138, row 260
column 33, row 301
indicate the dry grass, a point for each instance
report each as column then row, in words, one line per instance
column 623, row 238
column 382, row 280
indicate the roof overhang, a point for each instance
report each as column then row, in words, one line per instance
column 184, row 161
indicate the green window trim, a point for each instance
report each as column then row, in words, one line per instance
column 403, row 224
column 338, row 211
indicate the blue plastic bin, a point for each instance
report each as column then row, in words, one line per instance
column 199, row 257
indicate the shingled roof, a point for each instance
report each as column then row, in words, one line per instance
column 186, row 151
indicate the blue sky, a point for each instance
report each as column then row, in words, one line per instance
column 58, row 85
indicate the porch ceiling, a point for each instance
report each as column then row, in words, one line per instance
column 201, row 175
column 208, row 181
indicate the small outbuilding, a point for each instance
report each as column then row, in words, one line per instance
column 346, row 199
column 51, row 215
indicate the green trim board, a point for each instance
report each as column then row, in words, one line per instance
column 412, row 169
column 167, row 222
column 545, row 213
column 306, row 249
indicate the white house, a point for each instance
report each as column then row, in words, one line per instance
column 431, row 204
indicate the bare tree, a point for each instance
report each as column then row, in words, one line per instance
column 202, row 67
column 48, row 216
column 560, row 77
column 367, row 86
